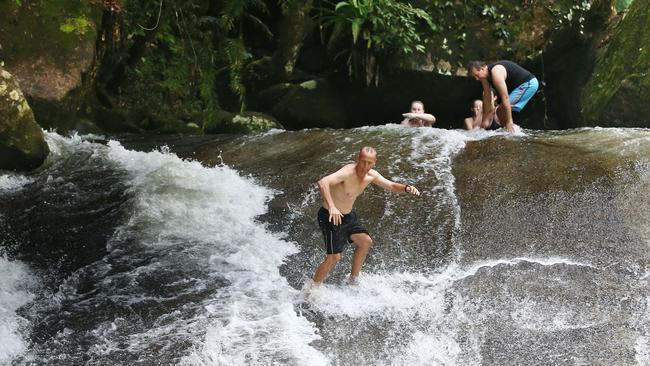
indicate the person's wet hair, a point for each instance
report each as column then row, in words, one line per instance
column 475, row 65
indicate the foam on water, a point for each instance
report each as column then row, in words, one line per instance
column 642, row 345
column 383, row 295
column 398, row 298
column 380, row 294
column 13, row 181
column 182, row 201
column 16, row 289
column 549, row 261
column 208, row 215
column 447, row 144
column 412, row 298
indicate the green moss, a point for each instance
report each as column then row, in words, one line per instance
column 253, row 122
column 22, row 146
column 218, row 122
column 309, row 84
column 622, row 4
column 248, row 122
column 80, row 25
column 54, row 28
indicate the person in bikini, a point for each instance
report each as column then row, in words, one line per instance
column 338, row 220
column 477, row 120
column 417, row 117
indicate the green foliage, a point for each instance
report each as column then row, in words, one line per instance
column 499, row 29
column 234, row 12
column 236, row 56
column 230, row 44
column 234, row 17
column 622, row 67
column 79, row 25
column 376, row 28
column 567, row 16
column 195, row 61
column 175, row 75
column 622, row 4
column 496, row 17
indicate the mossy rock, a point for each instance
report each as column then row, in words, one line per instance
column 618, row 93
column 247, row 122
column 49, row 46
column 313, row 103
column 216, row 121
column 251, row 122
column 270, row 96
column 22, row 144
column 257, row 73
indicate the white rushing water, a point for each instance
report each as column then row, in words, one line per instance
column 13, row 181
column 17, row 284
column 194, row 230
column 253, row 319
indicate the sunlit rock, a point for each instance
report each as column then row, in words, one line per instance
column 48, row 46
column 22, row 145
column 247, row 122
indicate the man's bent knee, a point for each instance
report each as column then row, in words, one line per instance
column 362, row 240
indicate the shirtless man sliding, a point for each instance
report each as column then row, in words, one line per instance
column 339, row 221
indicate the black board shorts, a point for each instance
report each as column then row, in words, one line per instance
column 336, row 237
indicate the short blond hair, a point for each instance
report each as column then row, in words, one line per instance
column 368, row 150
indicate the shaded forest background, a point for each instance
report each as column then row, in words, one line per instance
column 214, row 66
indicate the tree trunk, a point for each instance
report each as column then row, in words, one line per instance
column 115, row 54
column 292, row 33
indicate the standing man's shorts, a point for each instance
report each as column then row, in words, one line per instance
column 522, row 94
column 338, row 236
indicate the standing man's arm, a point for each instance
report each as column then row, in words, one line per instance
column 324, row 185
column 388, row 185
column 488, row 106
column 487, row 122
column 499, row 82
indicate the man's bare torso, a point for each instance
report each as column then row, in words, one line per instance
column 345, row 193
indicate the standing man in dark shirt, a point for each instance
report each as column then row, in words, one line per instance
column 514, row 85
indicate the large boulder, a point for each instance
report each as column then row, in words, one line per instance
column 313, row 103
column 49, row 46
column 618, row 93
column 22, row 145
